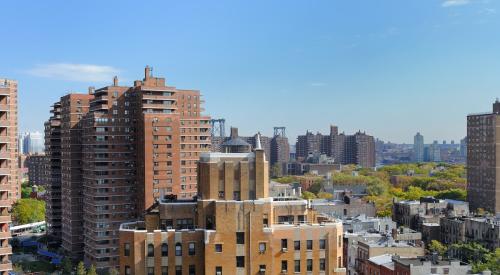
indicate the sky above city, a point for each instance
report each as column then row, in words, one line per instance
column 387, row 67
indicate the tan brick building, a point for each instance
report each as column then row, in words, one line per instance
column 232, row 227
column 9, row 181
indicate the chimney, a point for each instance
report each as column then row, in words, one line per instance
column 234, row 132
column 147, row 72
column 115, row 81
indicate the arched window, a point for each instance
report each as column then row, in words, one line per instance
column 164, row 250
column 178, row 249
column 151, row 250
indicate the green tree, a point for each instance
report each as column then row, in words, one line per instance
column 308, row 195
column 28, row 211
column 436, row 246
column 91, row 270
column 315, row 187
column 491, row 262
column 325, row 195
column 276, row 170
column 67, row 266
column 80, row 269
column 113, row 271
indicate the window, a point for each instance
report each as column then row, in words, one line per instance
column 164, row 270
column 240, row 261
column 151, row 250
column 127, row 270
column 262, row 247
column 309, row 244
column 339, row 261
column 322, row 265
column 178, row 270
column 284, row 266
column 296, row 245
column 191, row 249
column 309, row 265
column 164, row 250
column 322, row 244
column 178, row 249
column 218, row 270
column 340, row 240
column 296, row 267
column 240, row 237
column 262, row 268
column 126, row 250
column 218, row 248
column 151, row 271
column 192, row 270
column 284, row 244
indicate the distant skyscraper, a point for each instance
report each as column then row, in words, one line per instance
column 32, row 143
column 463, row 147
column 483, row 146
column 418, row 148
column 435, row 152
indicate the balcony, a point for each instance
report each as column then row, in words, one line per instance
column 5, row 219
column 4, row 139
column 4, row 90
column 5, row 250
column 5, row 235
column 4, row 123
column 5, row 203
column 5, row 266
column 4, row 155
column 4, row 107
column 4, row 171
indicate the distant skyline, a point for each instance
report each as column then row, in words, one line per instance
column 391, row 68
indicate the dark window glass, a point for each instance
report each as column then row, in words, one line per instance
column 164, row 250
column 240, row 237
column 309, row 244
column 218, row 248
column 309, row 265
column 322, row 244
column 284, row 266
column 240, row 261
column 296, row 245
column 284, row 243
column 297, row 266
column 151, row 250
column 191, row 249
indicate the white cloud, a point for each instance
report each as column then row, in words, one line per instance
column 452, row 3
column 75, row 72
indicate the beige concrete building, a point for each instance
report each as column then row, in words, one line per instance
column 9, row 181
column 232, row 227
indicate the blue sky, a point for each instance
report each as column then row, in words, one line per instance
column 389, row 67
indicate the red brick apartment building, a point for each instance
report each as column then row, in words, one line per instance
column 112, row 152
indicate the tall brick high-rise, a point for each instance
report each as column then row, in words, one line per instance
column 122, row 148
column 53, row 207
column 73, row 108
column 483, row 147
column 9, row 182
